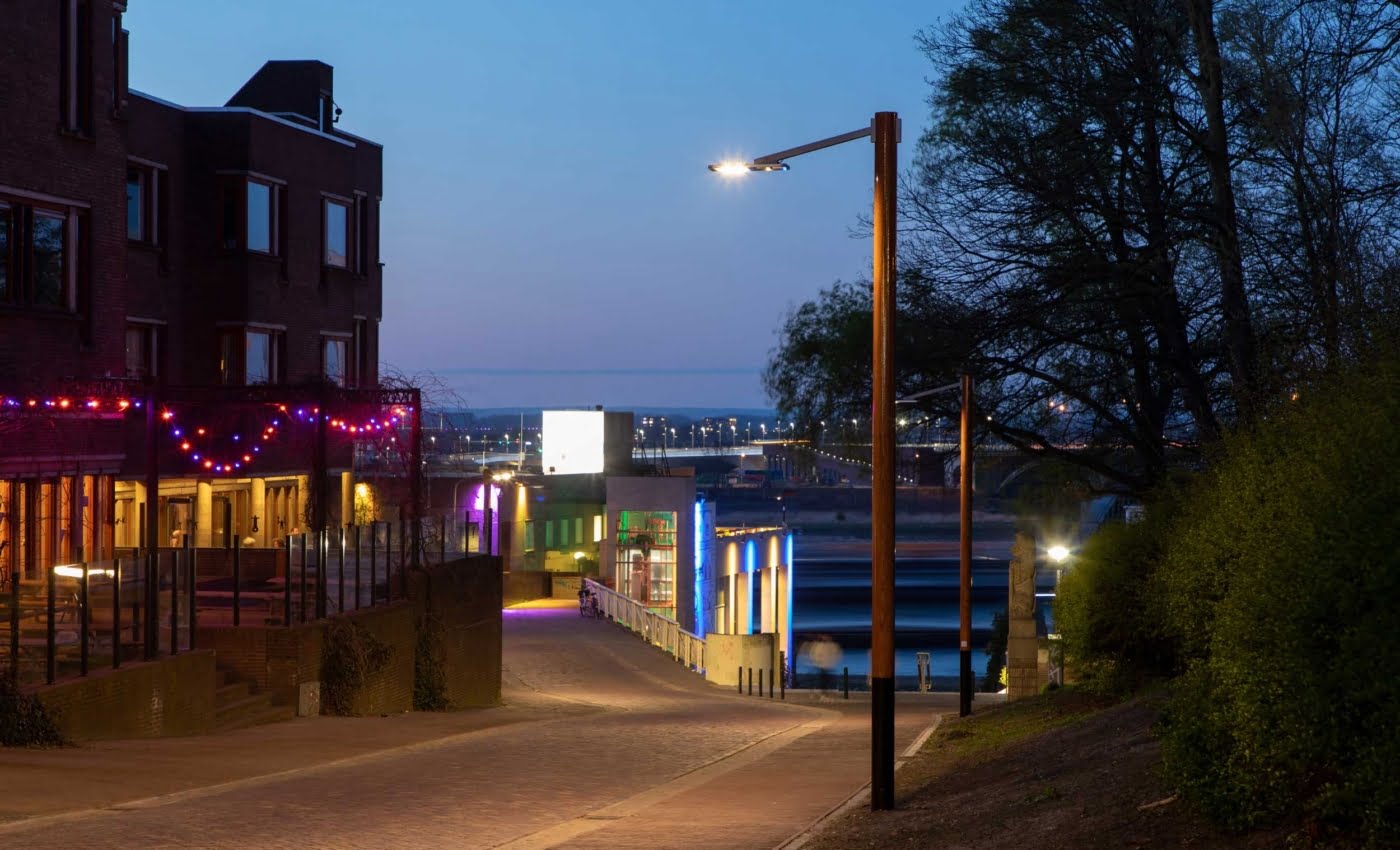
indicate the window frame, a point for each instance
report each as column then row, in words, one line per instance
column 329, row 338
column 347, row 208
column 272, row 222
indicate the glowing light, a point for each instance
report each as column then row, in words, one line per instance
column 730, row 168
column 76, row 571
column 167, row 415
column 185, row 446
column 1057, row 553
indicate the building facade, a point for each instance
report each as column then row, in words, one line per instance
column 147, row 247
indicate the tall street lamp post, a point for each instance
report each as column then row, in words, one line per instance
column 883, row 131
column 965, row 679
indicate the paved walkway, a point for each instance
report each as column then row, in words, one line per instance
column 603, row 742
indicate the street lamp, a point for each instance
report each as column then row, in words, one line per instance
column 883, row 131
column 965, row 680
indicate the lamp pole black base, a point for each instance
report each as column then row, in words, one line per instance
column 882, row 740
column 965, row 683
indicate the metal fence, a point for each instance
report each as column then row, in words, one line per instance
column 142, row 605
column 663, row 632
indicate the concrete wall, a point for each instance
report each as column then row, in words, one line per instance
column 1023, row 675
column 171, row 696
column 725, row 654
column 465, row 599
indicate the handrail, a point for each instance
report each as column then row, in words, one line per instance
column 659, row 631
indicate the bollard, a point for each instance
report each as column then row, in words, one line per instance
column 760, row 681
column 770, row 683
column 782, row 679
column 846, row 682
column 237, row 577
column 750, row 681
column 741, row 680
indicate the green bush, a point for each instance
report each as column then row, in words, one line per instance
column 1106, row 611
column 23, row 720
column 429, row 669
column 350, row 654
column 1281, row 585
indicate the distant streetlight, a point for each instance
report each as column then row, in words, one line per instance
column 883, row 131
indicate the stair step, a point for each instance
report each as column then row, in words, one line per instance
column 270, row 714
column 231, row 692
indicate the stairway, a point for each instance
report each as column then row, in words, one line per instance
column 237, row 706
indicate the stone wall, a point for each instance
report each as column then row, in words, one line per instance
column 170, row 696
column 464, row 599
column 1023, row 678
column 726, row 654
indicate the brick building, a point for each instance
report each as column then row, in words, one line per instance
column 144, row 245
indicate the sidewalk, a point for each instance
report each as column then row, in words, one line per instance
column 603, row 742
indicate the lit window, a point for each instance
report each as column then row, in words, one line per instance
column 337, row 234
column 142, row 351
column 260, row 217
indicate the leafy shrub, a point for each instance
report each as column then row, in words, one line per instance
column 1105, row 608
column 429, row 669
column 1281, row 585
column 350, row 654
column 24, row 722
column 995, row 679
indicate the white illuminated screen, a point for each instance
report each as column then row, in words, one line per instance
column 573, row 441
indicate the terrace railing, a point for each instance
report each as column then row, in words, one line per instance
column 659, row 631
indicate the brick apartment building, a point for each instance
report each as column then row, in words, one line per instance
column 145, row 244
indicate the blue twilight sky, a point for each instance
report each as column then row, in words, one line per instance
column 550, row 233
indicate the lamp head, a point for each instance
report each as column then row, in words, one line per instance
column 1057, row 553
column 732, row 168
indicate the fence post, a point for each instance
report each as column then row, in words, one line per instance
column 373, row 560
column 237, row 579
column 301, row 547
column 323, row 550
column 14, row 626
column 192, row 588
column 442, row 541
column 116, row 613
column 389, row 561
column 83, row 622
column 175, row 601
column 340, row 572
column 287, row 583
column 51, row 659
column 355, row 530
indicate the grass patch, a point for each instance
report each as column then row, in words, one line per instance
column 960, row 741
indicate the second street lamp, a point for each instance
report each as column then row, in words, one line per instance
column 884, row 133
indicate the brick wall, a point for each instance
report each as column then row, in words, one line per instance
column 524, row 585
column 465, row 597
column 171, row 696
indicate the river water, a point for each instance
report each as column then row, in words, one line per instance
column 831, row 597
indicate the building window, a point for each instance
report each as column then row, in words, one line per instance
column 529, row 535
column 75, row 71
column 597, row 528
column 5, row 229
column 251, row 356
column 333, row 360
column 143, row 351
column 40, row 256
column 46, row 257
column 135, row 204
column 337, row 234
column 262, row 218
column 143, row 203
